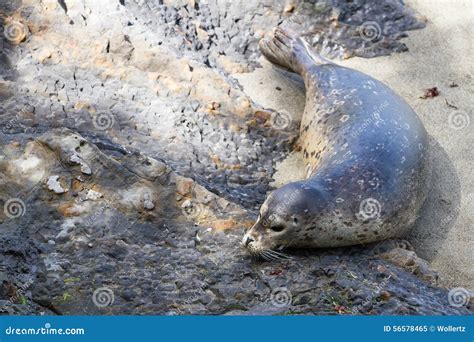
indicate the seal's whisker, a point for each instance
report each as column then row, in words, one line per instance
column 280, row 255
column 268, row 255
column 276, row 256
column 264, row 255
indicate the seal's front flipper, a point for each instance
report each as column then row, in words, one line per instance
column 289, row 50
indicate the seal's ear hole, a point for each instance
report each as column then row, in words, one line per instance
column 295, row 220
column 278, row 228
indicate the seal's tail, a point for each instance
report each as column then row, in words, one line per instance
column 289, row 50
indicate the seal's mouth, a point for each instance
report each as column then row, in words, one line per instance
column 254, row 248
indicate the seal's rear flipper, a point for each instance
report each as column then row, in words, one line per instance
column 289, row 50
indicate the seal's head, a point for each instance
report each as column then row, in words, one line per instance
column 285, row 217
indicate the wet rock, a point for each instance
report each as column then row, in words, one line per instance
column 93, row 195
column 410, row 261
column 55, row 185
column 147, row 202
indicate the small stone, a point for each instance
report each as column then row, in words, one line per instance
column 84, row 167
column 55, row 185
column 385, row 295
column 184, row 186
column 147, row 202
column 148, row 205
column 93, row 195
column 214, row 106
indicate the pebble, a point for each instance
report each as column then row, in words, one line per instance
column 55, row 185
column 84, row 167
column 93, row 195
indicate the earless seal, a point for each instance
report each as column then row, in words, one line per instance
column 366, row 156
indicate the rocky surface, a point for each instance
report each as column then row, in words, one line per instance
column 131, row 161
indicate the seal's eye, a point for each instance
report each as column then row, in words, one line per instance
column 278, row 228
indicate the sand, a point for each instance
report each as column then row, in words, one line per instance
column 439, row 55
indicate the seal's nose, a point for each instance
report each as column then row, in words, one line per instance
column 248, row 240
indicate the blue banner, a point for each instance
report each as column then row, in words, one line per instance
column 241, row 329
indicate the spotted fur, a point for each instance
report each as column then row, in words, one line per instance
column 366, row 154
